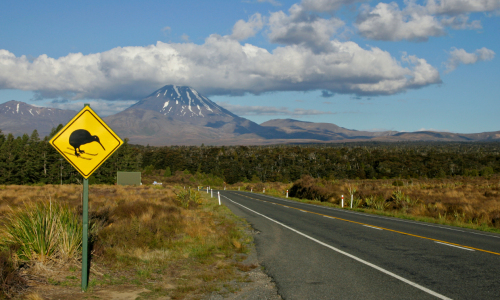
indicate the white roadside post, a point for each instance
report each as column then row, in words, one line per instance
column 207, row 189
column 287, row 193
column 351, row 200
column 342, row 201
column 251, row 190
column 238, row 188
column 264, row 191
column 211, row 193
column 218, row 194
column 224, row 188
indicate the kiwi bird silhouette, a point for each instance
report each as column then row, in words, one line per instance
column 81, row 137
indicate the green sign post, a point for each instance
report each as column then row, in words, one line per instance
column 89, row 131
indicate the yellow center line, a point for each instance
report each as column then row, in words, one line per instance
column 396, row 231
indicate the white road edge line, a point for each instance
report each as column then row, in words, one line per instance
column 349, row 255
column 455, row 246
column 372, row 227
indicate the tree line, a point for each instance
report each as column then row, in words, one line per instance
column 31, row 160
column 28, row 159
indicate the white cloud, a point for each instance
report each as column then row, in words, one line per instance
column 273, row 2
column 219, row 66
column 326, row 5
column 303, row 28
column 414, row 22
column 460, row 56
column 388, row 23
column 185, row 37
column 243, row 110
column 243, row 30
column 461, row 22
column 455, row 7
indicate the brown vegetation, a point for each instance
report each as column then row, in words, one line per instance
column 463, row 200
column 166, row 239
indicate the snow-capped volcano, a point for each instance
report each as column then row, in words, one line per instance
column 183, row 103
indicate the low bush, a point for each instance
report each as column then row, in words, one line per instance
column 310, row 188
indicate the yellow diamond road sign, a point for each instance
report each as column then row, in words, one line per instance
column 86, row 141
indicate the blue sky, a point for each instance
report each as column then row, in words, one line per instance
column 365, row 65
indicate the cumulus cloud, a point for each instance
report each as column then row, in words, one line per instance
column 243, row 110
column 460, row 56
column 414, row 22
column 220, row 66
column 300, row 27
column 461, row 22
column 388, row 23
column 243, row 30
column 455, row 7
column 326, row 5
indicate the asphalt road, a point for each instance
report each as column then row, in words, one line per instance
column 315, row 252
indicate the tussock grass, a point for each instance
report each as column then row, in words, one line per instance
column 143, row 235
column 42, row 232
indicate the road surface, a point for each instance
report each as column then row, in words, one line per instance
column 315, row 252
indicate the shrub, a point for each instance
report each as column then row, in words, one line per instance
column 308, row 188
column 186, row 198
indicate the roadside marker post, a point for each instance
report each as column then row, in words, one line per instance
column 89, row 131
column 287, row 193
column 207, row 189
column 351, row 199
column 211, row 193
column 342, row 201
column 218, row 194
column 264, row 190
column 251, row 190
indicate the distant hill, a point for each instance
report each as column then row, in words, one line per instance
column 18, row 118
column 179, row 115
column 321, row 131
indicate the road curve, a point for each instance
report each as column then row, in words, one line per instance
column 315, row 252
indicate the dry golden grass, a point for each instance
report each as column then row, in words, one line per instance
column 460, row 201
column 142, row 236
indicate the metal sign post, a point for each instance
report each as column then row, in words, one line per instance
column 85, row 235
column 86, row 142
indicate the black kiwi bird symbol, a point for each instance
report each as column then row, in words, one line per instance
column 81, row 137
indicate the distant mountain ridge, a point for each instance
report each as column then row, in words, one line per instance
column 179, row 115
column 18, row 118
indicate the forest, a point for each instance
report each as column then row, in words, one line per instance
column 31, row 160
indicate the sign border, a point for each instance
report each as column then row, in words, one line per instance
column 70, row 123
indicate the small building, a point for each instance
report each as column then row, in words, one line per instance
column 128, row 178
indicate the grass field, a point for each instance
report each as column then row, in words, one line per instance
column 472, row 202
column 146, row 241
